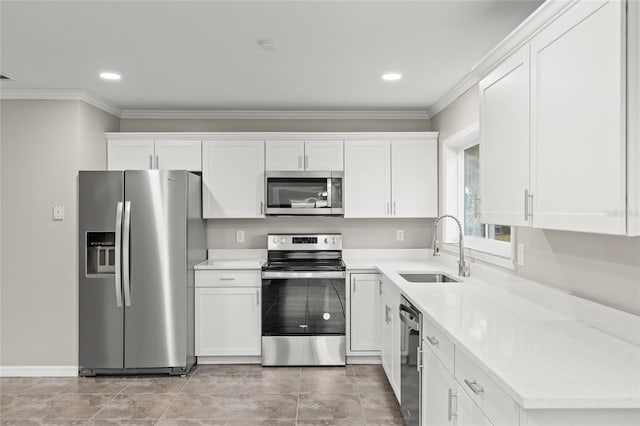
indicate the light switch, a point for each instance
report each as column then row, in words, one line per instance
column 239, row 236
column 400, row 235
column 58, row 211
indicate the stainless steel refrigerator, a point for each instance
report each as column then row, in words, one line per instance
column 141, row 233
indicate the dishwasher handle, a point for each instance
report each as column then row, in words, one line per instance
column 410, row 317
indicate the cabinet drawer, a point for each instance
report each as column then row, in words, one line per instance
column 438, row 342
column 496, row 404
column 227, row 278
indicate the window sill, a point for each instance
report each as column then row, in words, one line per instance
column 479, row 254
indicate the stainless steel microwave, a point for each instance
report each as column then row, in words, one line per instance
column 304, row 193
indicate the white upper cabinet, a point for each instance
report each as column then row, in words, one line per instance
column 414, row 178
column 504, row 147
column 296, row 155
column 178, row 155
column 367, row 180
column 136, row 154
column 633, row 117
column 233, row 179
column 396, row 178
column 578, row 115
column 324, row 155
column 149, row 154
column 284, row 155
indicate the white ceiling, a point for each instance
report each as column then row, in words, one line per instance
column 203, row 55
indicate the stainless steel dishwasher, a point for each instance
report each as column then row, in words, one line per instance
column 411, row 366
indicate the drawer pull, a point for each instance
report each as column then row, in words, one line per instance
column 227, row 279
column 475, row 387
column 452, row 409
column 433, row 341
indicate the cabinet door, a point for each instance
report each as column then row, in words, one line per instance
column 386, row 335
column 633, row 112
column 390, row 336
column 367, row 182
column 178, row 155
column 365, row 301
column 228, row 321
column 324, row 155
column 233, row 179
column 284, row 155
column 130, row 155
column 468, row 413
column 437, row 384
column 578, row 143
column 414, row 178
column 504, row 147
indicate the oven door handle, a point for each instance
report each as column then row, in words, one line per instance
column 409, row 317
column 314, row 274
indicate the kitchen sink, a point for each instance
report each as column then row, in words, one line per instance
column 420, row 277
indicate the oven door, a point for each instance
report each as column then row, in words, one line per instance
column 303, row 318
column 302, row 303
column 304, row 193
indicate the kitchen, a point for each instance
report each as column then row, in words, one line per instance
column 550, row 260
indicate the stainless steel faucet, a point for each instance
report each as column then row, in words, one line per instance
column 463, row 267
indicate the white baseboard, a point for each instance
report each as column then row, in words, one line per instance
column 38, row 370
column 372, row 359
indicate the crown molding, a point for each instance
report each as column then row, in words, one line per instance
column 61, row 95
column 273, row 115
column 539, row 19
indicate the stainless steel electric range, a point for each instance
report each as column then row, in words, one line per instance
column 303, row 300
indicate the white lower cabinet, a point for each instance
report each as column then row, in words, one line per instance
column 438, row 387
column 364, row 302
column 390, row 344
column 468, row 413
column 227, row 319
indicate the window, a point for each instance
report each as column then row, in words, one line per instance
column 487, row 242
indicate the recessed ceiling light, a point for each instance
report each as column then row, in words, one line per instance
column 110, row 75
column 391, row 76
column 266, row 44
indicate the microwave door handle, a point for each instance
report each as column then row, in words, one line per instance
column 118, row 247
column 329, row 190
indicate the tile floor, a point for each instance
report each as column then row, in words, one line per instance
column 231, row 395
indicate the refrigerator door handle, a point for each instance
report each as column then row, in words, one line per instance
column 118, row 254
column 125, row 253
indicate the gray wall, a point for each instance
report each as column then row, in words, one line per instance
column 43, row 144
column 604, row 268
column 306, row 125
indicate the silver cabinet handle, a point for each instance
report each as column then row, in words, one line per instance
column 157, row 162
column 258, row 297
column 419, row 358
column 227, row 279
column 379, row 286
column 394, row 208
column 475, row 387
column 151, row 161
column 526, row 205
column 452, row 412
column 118, row 254
column 261, row 208
column 387, row 312
column 354, row 285
column 125, row 253
column 299, row 162
column 306, row 162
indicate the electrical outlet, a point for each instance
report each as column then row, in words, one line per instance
column 400, row 235
column 58, row 211
column 239, row 236
column 520, row 254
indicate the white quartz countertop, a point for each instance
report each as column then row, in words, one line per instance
column 230, row 264
column 541, row 357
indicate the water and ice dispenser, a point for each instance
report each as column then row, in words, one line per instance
column 101, row 253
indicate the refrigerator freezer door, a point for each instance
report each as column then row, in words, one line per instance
column 156, row 315
column 101, row 320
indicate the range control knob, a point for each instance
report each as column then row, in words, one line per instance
column 326, row 240
column 333, row 241
column 282, row 240
column 275, row 241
